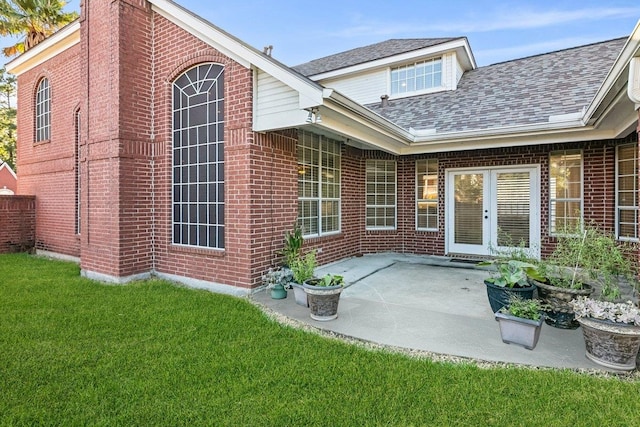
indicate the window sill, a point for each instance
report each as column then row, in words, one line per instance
column 197, row 250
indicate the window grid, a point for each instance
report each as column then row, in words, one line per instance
column 427, row 194
column 565, row 191
column 416, row 77
column 318, row 185
column 627, row 192
column 198, row 215
column 43, row 111
column 381, row 194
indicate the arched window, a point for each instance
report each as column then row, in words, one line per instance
column 198, row 157
column 43, row 111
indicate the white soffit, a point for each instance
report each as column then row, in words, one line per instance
column 55, row 44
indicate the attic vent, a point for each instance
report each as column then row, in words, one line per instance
column 384, row 100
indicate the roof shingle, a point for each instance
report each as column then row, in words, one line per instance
column 365, row 54
column 518, row 92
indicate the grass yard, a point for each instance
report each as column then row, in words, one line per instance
column 78, row 352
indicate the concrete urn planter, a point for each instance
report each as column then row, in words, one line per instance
column 516, row 330
column 323, row 301
column 611, row 344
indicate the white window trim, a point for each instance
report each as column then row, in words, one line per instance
column 320, row 197
column 434, row 89
column 617, row 209
column 395, row 195
column 418, row 200
column 551, row 199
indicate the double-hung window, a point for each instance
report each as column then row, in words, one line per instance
column 565, row 191
column 427, row 194
column 627, row 192
column 381, row 194
column 43, row 111
column 417, row 77
column 198, row 157
column 318, row 185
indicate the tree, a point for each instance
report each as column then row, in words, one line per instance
column 34, row 20
column 7, row 119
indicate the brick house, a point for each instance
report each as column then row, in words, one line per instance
column 157, row 143
column 8, row 179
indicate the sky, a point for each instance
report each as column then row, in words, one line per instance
column 497, row 30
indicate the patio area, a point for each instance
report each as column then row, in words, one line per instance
column 431, row 304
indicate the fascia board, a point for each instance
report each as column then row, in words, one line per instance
column 453, row 45
column 630, row 49
column 237, row 50
column 55, row 44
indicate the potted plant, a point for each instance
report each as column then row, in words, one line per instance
column 293, row 241
column 509, row 276
column 611, row 331
column 521, row 321
column 277, row 280
column 583, row 260
column 323, row 295
column 302, row 268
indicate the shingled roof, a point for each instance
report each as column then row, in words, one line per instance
column 519, row 92
column 365, row 54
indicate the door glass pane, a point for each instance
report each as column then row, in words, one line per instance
column 514, row 206
column 468, row 209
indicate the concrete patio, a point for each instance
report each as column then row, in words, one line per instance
column 429, row 304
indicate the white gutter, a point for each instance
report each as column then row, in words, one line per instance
column 633, row 87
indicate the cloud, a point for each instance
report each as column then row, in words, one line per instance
column 512, row 19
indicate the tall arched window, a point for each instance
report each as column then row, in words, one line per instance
column 198, row 157
column 43, row 111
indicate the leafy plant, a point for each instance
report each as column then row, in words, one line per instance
column 625, row 312
column 293, row 241
column 524, row 308
column 303, row 267
column 329, row 280
column 510, row 273
column 277, row 276
column 588, row 255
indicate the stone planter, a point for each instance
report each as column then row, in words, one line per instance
column 610, row 344
column 300, row 295
column 561, row 314
column 499, row 296
column 323, row 301
column 516, row 330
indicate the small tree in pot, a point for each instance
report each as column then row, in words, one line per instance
column 302, row 269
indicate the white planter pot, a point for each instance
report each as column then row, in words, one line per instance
column 300, row 295
column 516, row 330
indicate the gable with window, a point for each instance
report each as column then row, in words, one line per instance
column 43, row 111
column 198, row 157
column 318, row 185
column 416, row 78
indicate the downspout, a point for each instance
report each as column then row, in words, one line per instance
column 633, row 86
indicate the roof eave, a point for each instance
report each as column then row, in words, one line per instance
column 58, row 42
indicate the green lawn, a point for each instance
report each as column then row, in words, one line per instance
column 77, row 352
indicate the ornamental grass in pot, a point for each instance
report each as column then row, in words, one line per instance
column 302, row 268
column 585, row 260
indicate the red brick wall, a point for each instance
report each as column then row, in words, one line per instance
column 7, row 180
column 47, row 169
column 17, row 223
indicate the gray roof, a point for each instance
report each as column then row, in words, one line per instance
column 518, row 92
column 366, row 54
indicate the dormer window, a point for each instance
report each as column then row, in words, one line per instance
column 416, row 77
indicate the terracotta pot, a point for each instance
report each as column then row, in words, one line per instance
column 611, row 344
column 560, row 315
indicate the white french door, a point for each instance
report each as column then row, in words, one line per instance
column 493, row 208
